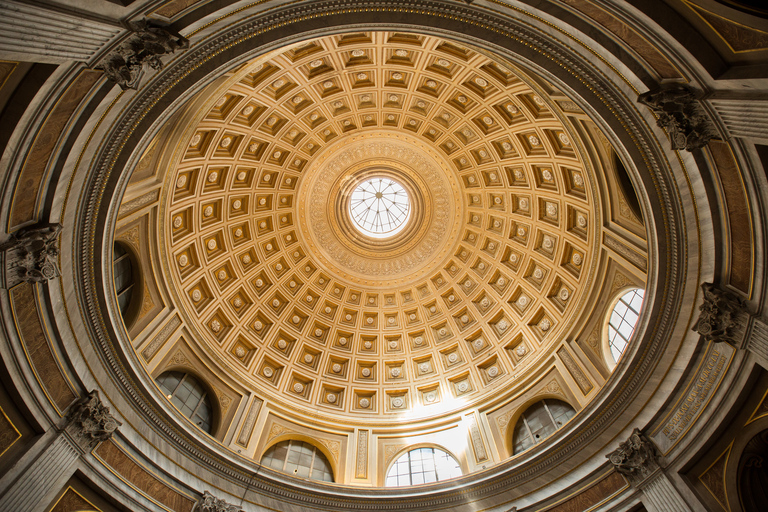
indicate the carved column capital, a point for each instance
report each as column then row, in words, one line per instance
column 210, row 503
column 147, row 43
column 31, row 254
column 636, row 458
column 681, row 115
column 723, row 317
column 90, row 422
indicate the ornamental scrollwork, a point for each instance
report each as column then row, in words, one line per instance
column 210, row 503
column 636, row 458
column 723, row 316
column 681, row 115
column 32, row 254
column 90, row 421
column 146, row 44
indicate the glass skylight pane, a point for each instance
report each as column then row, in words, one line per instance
column 379, row 207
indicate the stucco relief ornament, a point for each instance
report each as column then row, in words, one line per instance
column 90, row 421
column 210, row 503
column 33, row 254
column 680, row 114
column 147, row 42
column 636, row 458
column 723, row 316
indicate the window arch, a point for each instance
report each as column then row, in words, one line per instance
column 124, row 274
column 422, row 466
column 622, row 321
column 189, row 396
column 300, row 459
column 539, row 421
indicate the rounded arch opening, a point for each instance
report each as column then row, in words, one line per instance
column 422, row 465
column 126, row 273
column 539, row 421
column 299, row 458
column 620, row 323
column 191, row 396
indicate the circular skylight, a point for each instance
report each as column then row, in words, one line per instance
column 379, row 207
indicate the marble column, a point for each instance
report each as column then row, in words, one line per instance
column 34, row 33
column 747, row 118
column 87, row 424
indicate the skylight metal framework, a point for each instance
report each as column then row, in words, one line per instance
column 380, row 207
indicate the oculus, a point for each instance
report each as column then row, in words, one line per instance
column 379, row 207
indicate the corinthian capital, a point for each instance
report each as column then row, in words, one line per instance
column 723, row 316
column 90, row 421
column 210, row 503
column 636, row 458
column 680, row 114
column 146, row 44
column 31, row 254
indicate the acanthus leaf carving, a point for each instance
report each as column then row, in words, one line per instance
column 90, row 421
column 636, row 458
column 145, row 45
column 210, row 503
column 723, row 316
column 680, row 114
column 32, row 253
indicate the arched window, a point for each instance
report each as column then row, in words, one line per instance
column 122, row 271
column 622, row 321
column 189, row 396
column 539, row 421
column 299, row 459
column 422, row 466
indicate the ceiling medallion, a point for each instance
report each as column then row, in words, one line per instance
column 342, row 232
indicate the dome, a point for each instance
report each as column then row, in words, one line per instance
column 275, row 278
column 382, row 256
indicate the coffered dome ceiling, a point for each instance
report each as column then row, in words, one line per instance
column 494, row 262
column 374, row 235
column 332, row 322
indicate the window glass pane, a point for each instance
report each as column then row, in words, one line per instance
column 622, row 321
column 421, row 466
column 188, row 396
column 122, row 273
column 538, row 419
column 299, row 459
